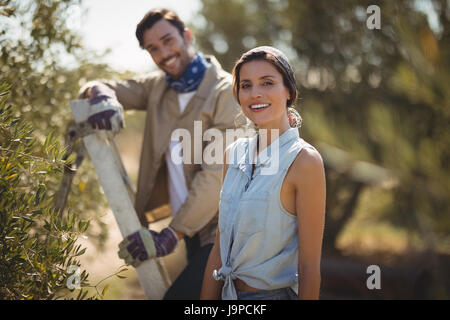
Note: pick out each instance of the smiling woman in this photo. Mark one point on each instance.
(269, 242)
(262, 94)
(275, 77)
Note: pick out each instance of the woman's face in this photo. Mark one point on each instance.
(262, 94)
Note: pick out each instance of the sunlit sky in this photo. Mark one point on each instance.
(112, 24)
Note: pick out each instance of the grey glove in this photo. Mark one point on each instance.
(106, 112)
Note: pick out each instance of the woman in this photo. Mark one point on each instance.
(268, 245)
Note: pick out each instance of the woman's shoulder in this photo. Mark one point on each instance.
(307, 161)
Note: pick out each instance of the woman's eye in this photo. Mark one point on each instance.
(267, 83)
(245, 86)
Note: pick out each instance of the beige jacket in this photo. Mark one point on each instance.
(214, 105)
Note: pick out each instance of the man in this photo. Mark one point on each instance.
(191, 87)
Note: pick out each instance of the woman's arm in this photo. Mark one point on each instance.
(211, 288)
(310, 208)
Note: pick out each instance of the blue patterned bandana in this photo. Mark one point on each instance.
(192, 77)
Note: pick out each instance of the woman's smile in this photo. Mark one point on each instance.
(258, 107)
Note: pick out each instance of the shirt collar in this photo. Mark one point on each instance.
(266, 154)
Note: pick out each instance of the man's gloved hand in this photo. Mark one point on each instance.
(106, 112)
(147, 244)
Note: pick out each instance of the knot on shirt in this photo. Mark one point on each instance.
(223, 273)
(228, 290)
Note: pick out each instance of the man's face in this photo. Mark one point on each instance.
(169, 49)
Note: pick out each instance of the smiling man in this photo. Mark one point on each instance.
(188, 87)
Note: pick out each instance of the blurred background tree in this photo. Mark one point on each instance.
(374, 102)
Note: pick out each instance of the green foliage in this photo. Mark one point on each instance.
(37, 245)
(377, 96)
(44, 61)
(42, 58)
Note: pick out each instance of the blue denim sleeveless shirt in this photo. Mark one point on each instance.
(258, 237)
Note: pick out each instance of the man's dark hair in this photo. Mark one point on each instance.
(154, 16)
